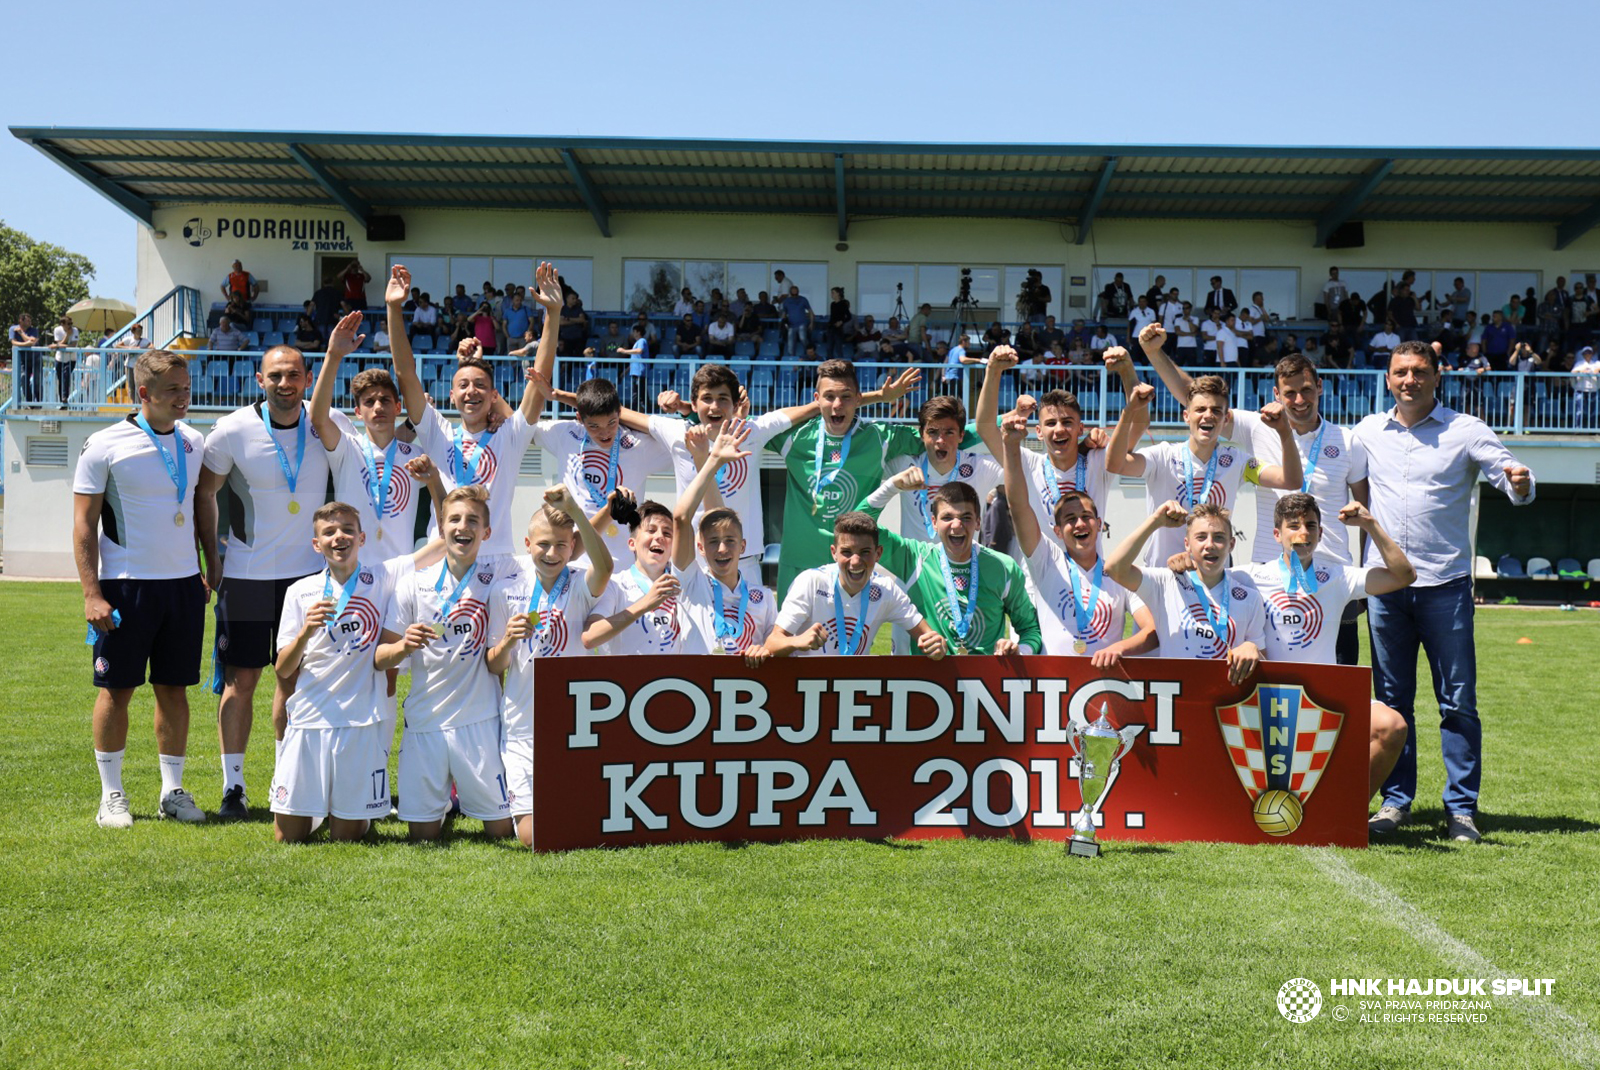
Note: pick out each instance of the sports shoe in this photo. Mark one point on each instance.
(114, 812)
(1387, 819)
(1462, 828)
(179, 804)
(234, 807)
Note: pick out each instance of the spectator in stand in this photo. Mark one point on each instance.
(1525, 359)
(66, 357)
(1050, 334)
(1586, 391)
(917, 331)
(1530, 309)
(1378, 304)
(483, 328)
(688, 340)
(1209, 329)
(1548, 319)
(1497, 340)
(1184, 347)
(1035, 297)
(841, 322)
(867, 340)
(1334, 295)
(460, 331)
(747, 323)
(1103, 340)
(380, 337)
(517, 318)
(226, 338)
(1156, 294)
(1353, 315)
(325, 303)
(135, 338)
(1474, 366)
(1142, 315)
(1472, 334)
(647, 330)
(1382, 344)
(354, 279)
(307, 339)
(1447, 340)
(701, 317)
(684, 305)
(719, 337)
(893, 344)
(240, 313)
(240, 282)
(1271, 350)
(1168, 311)
(740, 302)
(1460, 301)
(781, 285)
(1336, 352)
(798, 319)
(637, 351)
(1078, 337)
(1258, 327)
(1116, 300)
(411, 302)
(765, 308)
(1512, 310)
(1578, 313)
(613, 340)
(28, 367)
(1230, 341)
(996, 335)
(573, 330)
(1219, 297)
(1026, 342)
(425, 320)
(461, 302)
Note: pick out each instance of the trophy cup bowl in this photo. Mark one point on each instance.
(1099, 748)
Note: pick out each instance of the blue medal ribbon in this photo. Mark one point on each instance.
(177, 461)
(1081, 613)
(822, 447)
(94, 633)
(612, 469)
(960, 619)
(1297, 575)
(290, 475)
(465, 473)
(727, 630)
(1214, 611)
(847, 643)
(455, 595)
(1188, 477)
(379, 493)
(1052, 483)
(922, 495)
(540, 605)
(345, 592)
(1311, 461)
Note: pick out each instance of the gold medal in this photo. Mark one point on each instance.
(379, 534)
(611, 529)
(294, 506)
(1079, 646)
(533, 620)
(961, 648)
(438, 627)
(177, 518)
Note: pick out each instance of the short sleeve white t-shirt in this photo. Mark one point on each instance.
(1046, 483)
(338, 686)
(560, 635)
(979, 471)
(739, 482)
(1175, 603)
(585, 467)
(698, 607)
(810, 601)
(360, 471)
(1048, 566)
(451, 686)
(1171, 313)
(490, 459)
(1340, 462)
(659, 631)
(1304, 626)
(266, 541)
(1209, 329)
(140, 538)
(1164, 481)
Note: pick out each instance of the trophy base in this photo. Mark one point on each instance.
(1083, 848)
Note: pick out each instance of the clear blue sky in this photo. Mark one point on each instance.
(1356, 73)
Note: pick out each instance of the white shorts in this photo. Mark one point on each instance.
(517, 756)
(338, 771)
(470, 756)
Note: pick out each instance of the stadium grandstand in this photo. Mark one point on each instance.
(252, 239)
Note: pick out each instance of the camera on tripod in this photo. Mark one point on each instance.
(964, 294)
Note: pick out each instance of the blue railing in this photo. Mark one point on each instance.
(176, 314)
(1510, 402)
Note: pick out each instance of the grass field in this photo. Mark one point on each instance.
(176, 946)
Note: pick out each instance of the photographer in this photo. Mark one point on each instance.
(1034, 297)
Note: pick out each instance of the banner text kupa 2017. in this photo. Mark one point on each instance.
(705, 748)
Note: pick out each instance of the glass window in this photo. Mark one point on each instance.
(430, 274)
(1202, 285)
(1362, 282)
(469, 271)
(513, 271)
(752, 275)
(577, 273)
(1049, 277)
(1182, 278)
(1280, 290)
(703, 276)
(812, 280)
(651, 285)
(1496, 287)
(876, 293)
(937, 285)
(1138, 280)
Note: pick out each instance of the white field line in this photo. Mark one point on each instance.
(1570, 1035)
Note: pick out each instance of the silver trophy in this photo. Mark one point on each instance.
(1099, 749)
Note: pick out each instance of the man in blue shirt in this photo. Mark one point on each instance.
(798, 318)
(1497, 340)
(518, 319)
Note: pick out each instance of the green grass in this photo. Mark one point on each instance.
(187, 947)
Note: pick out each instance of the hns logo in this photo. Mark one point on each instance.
(196, 232)
(1279, 742)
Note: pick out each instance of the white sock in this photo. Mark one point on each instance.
(232, 771)
(171, 773)
(110, 764)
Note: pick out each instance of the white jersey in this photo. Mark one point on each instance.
(697, 606)
(1339, 462)
(451, 686)
(810, 601)
(1046, 483)
(659, 631)
(587, 473)
(1175, 601)
(1304, 626)
(140, 538)
(269, 526)
(491, 459)
(360, 471)
(1165, 474)
(338, 686)
(739, 482)
(559, 635)
(977, 470)
(1058, 622)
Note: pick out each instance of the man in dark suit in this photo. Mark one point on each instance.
(1219, 298)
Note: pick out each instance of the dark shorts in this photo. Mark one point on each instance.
(163, 626)
(247, 621)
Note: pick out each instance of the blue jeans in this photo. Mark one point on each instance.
(1440, 619)
(797, 338)
(1585, 409)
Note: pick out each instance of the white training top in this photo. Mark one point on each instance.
(1304, 626)
(356, 484)
(810, 601)
(560, 635)
(1048, 565)
(492, 459)
(140, 538)
(977, 470)
(585, 472)
(266, 541)
(739, 482)
(698, 609)
(338, 686)
(1180, 615)
(451, 686)
(659, 631)
(1046, 483)
(1341, 462)
(1164, 481)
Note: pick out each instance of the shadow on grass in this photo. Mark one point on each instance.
(1426, 830)
(1493, 823)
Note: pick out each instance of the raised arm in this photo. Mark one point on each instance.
(405, 363)
(1003, 359)
(1397, 571)
(547, 291)
(728, 447)
(1120, 564)
(1290, 474)
(341, 342)
(1024, 523)
(1121, 459)
(593, 544)
(422, 468)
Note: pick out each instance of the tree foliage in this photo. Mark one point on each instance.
(39, 279)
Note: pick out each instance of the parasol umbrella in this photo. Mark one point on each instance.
(101, 315)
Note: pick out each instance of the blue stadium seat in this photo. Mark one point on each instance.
(271, 338)
(744, 349)
(422, 343)
(772, 335)
(769, 350)
(440, 392)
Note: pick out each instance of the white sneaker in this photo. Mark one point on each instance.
(179, 804)
(114, 812)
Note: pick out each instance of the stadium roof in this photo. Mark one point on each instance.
(368, 174)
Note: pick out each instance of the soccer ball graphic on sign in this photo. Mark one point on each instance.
(1299, 1000)
(195, 232)
(1278, 813)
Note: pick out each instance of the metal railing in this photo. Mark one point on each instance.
(176, 314)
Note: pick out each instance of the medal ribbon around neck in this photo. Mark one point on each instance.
(847, 643)
(290, 475)
(960, 619)
(540, 605)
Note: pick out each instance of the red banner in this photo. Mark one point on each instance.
(676, 749)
